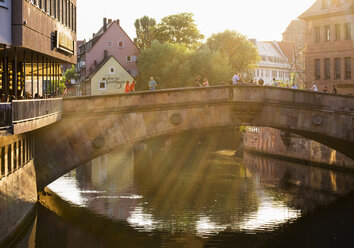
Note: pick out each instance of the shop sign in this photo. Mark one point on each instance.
(64, 43)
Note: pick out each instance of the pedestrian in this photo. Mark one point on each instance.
(132, 87)
(197, 81)
(325, 89)
(274, 83)
(334, 89)
(294, 86)
(205, 82)
(236, 78)
(251, 81)
(152, 84)
(127, 87)
(260, 81)
(314, 87)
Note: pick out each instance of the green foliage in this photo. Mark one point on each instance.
(242, 53)
(179, 29)
(163, 61)
(210, 64)
(68, 75)
(144, 27)
(173, 66)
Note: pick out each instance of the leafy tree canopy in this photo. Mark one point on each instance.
(144, 27)
(174, 66)
(242, 53)
(179, 29)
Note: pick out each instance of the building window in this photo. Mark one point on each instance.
(348, 68)
(337, 31)
(112, 70)
(129, 58)
(337, 68)
(3, 3)
(134, 58)
(274, 74)
(109, 43)
(317, 34)
(55, 8)
(120, 44)
(102, 85)
(327, 32)
(317, 69)
(327, 64)
(347, 29)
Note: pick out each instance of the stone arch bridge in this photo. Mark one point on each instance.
(94, 125)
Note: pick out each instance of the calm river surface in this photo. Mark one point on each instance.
(190, 191)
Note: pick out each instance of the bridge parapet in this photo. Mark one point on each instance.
(95, 125)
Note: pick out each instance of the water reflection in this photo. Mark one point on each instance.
(184, 190)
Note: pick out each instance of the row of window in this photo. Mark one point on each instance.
(327, 33)
(275, 73)
(274, 59)
(62, 10)
(110, 44)
(131, 58)
(15, 155)
(336, 68)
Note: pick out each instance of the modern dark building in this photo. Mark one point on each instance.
(36, 37)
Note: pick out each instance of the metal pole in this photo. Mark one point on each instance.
(15, 72)
(37, 76)
(43, 76)
(5, 85)
(46, 77)
(32, 75)
(24, 73)
(53, 75)
(50, 79)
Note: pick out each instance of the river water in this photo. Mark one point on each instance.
(189, 190)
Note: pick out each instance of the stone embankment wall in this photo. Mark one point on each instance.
(18, 188)
(282, 144)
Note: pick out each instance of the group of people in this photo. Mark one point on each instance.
(325, 89)
(198, 82)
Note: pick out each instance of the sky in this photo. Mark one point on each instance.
(264, 20)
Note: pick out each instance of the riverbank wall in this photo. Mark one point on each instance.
(280, 144)
(18, 188)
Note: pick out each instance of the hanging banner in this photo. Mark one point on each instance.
(64, 43)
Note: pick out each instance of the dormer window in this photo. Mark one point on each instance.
(120, 44)
(109, 43)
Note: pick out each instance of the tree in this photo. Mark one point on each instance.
(179, 29)
(165, 62)
(68, 75)
(210, 64)
(242, 54)
(144, 28)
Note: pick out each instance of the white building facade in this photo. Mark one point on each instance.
(273, 64)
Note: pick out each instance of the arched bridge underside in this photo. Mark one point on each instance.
(92, 126)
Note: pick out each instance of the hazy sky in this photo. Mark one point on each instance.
(260, 19)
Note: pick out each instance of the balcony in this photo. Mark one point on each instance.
(28, 115)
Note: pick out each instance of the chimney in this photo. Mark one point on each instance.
(104, 24)
(105, 54)
(118, 22)
(109, 20)
(93, 35)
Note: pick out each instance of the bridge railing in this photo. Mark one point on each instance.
(5, 115)
(27, 110)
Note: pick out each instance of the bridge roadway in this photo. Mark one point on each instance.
(94, 125)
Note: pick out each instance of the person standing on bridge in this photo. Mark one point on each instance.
(236, 78)
(205, 82)
(152, 84)
(314, 87)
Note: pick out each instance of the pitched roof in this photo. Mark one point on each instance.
(101, 31)
(100, 65)
(288, 48)
(317, 10)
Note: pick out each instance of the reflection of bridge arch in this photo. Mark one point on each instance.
(95, 125)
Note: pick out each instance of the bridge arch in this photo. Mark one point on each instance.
(94, 125)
